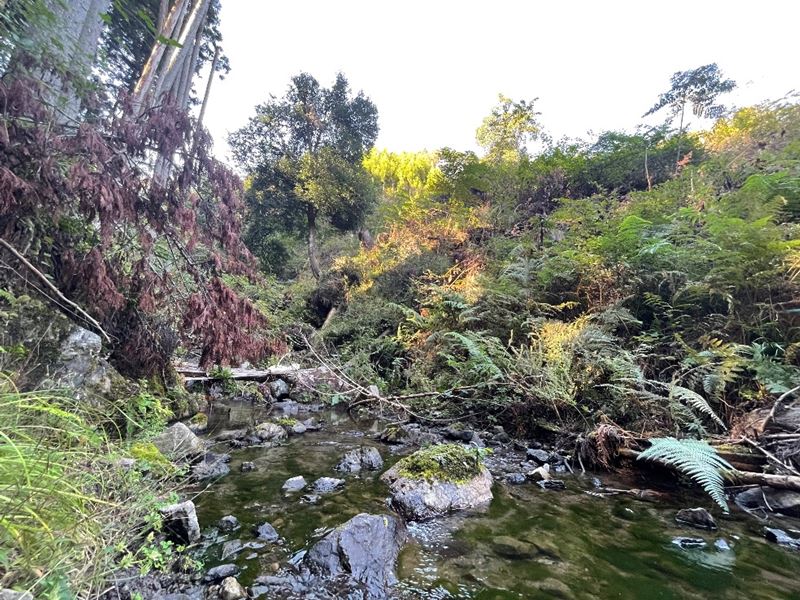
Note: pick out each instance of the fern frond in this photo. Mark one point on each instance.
(696, 401)
(694, 458)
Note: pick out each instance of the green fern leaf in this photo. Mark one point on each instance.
(694, 458)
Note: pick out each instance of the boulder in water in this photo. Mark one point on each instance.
(438, 480)
(696, 517)
(231, 589)
(365, 548)
(326, 485)
(785, 502)
(270, 432)
(294, 484)
(365, 457)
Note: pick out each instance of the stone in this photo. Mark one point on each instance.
(409, 433)
(221, 572)
(422, 499)
(551, 484)
(228, 523)
(689, 542)
(310, 498)
(326, 485)
(6, 594)
(458, 432)
(540, 473)
(722, 545)
(270, 432)
(266, 532)
(231, 589)
(231, 548)
(311, 424)
(213, 466)
(540, 457)
(501, 438)
(279, 389)
(365, 457)
(365, 548)
(294, 484)
(247, 467)
(180, 522)
(785, 502)
(696, 517)
(779, 536)
(509, 547)
(177, 442)
(515, 478)
(230, 435)
(298, 428)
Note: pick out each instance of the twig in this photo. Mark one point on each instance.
(41, 276)
(771, 456)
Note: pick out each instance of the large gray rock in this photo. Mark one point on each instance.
(421, 499)
(411, 434)
(221, 572)
(779, 536)
(180, 522)
(177, 442)
(785, 502)
(270, 432)
(365, 457)
(365, 548)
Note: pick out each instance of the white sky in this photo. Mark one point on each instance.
(434, 68)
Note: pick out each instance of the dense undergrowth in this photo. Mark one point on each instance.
(72, 512)
(569, 289)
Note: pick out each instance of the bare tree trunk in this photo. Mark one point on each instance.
(208, 88)
(175, 57)
(680, 137)
(163, 11)
(147, 78)
(313, 260)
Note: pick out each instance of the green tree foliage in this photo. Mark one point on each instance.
(698, 88)
(509, 128)
(303, 153)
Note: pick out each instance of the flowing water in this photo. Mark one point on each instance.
(529, 543)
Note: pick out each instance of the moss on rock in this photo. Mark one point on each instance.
(147, 452)
(443, 462)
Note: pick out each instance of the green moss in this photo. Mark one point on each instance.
(200, 419)
(147, 452)
(443, 462)
(287, 421)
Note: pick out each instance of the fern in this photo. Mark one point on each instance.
(479, 360)
(694, 458)
(696, 401)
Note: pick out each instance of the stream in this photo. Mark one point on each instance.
(529, 543)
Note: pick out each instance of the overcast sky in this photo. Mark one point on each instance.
(434, 67)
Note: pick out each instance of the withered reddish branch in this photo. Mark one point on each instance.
(83, 201)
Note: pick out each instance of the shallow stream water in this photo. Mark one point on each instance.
(529, 543)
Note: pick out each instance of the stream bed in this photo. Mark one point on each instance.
(529, 543)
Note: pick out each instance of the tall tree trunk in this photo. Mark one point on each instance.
(144, 85)
(208, 87)
(176, 55)
(313, 260)
(680, 137)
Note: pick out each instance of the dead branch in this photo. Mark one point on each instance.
(86, 317)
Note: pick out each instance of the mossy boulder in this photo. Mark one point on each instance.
(199, 422)
(437, 480)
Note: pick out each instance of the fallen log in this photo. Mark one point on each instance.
(780, 482)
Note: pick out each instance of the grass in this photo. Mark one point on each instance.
(69, 514)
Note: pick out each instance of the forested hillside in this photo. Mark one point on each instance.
(632, 293)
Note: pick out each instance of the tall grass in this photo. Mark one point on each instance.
(68, 510)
